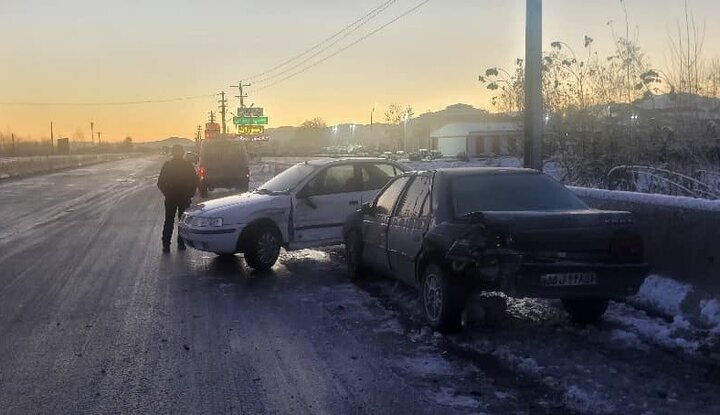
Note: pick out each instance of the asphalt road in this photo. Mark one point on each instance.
(95, 319)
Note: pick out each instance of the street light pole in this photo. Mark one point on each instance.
(533, 86)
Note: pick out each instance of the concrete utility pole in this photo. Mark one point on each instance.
(99, 142)
(92, 133)
(242, 96)
(13, 143)
(533, 86)
(52, 138)
(198, 137)
(223, 110)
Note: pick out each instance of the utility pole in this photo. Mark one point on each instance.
(99, 142)
(92, 133)
(212, 117)
(12, 135)
(52, 139)
(533, 86)
(223, 110)
(242, 96)
(197, 137)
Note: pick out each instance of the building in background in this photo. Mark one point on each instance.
(477, 139)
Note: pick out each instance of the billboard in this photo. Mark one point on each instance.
(251, 129)
(250, 112)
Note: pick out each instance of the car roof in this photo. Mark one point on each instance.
(326, 161)
(466, 171)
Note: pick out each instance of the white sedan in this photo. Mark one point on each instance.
(304, 206)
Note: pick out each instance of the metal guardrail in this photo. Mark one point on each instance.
(645, 179)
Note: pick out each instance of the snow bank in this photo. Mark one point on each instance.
(647, 198)
(710, 313)
(662, 294)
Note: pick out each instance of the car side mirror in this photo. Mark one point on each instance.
(367, 208)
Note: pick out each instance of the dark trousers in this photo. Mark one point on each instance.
(173, 208)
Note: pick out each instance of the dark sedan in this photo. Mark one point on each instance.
(455, 232)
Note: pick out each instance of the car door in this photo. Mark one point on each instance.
(321, 207)
(375, 176)
(407, 228)
(374, 226)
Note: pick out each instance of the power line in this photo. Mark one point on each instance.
(359, 23)
(312, 65)
(319, 52)
(98, 104)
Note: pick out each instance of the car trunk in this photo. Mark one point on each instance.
(559, 234)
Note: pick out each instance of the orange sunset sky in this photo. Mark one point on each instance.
(98, 51)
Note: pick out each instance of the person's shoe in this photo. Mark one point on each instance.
(166, 248)
(182, 247)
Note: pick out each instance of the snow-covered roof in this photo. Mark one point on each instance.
(464, 129)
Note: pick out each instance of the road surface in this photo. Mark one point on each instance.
(95, 319)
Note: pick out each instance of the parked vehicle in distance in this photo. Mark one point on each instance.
(304, 206)
(453, 233)
(224, 162)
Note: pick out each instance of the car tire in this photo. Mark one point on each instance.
(262, 247)
(440, 302)
(585, 310)
(203, 190)
(353, 255)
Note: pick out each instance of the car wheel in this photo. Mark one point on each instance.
(202, 188)
(262, 248)
(442, 310)
(353, 255)
(585, 310)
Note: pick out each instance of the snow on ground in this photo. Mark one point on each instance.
(677, 335)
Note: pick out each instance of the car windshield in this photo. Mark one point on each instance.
(288, 179)
(510, 192)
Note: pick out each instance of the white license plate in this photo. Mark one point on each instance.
(569, 279)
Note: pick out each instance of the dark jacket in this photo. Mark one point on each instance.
(177, 180)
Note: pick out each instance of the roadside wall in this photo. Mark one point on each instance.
(27, 166)
(681, 235)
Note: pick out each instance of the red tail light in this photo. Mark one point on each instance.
(626, 245)
(201, 172)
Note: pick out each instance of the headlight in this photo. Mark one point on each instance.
(203, 222)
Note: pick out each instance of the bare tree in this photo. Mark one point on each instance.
(316, 122)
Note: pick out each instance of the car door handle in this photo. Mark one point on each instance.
(354, 202)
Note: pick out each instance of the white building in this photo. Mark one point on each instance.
(476, 139)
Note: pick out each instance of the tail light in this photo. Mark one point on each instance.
(626, 245)
(201, 172)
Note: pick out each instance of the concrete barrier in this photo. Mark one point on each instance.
(681, 235)
(27, 166)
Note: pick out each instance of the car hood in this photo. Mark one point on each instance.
(239, 208)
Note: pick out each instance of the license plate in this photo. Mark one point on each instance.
(569, 279)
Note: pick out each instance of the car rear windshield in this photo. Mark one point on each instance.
(288, 179)
(510, 192)
(223, 150)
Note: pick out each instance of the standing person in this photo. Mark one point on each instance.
(177, 182)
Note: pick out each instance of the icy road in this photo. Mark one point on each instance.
(95, 319)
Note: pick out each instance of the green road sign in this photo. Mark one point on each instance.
(250, 120)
